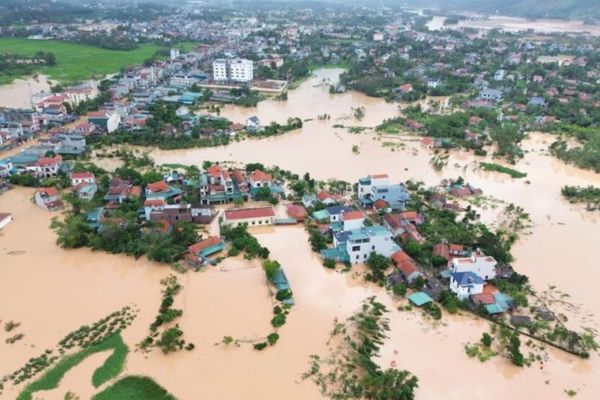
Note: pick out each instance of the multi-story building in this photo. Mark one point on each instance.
(360, 243)
(234, 70)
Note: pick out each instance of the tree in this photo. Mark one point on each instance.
(271, 268)
(151, 177)
(516, 356)
(378, 265)
(184, 233)
(170, 340)
(486, 339)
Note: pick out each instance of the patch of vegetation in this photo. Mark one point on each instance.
(589, 195)
(134, 387)
(52, 378)
(502, 169)
(350, 372)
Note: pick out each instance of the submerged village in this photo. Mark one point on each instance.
(334, 207)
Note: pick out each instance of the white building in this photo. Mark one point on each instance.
(174, 53)
(464, 284)
(112, 124)
(241, 70)
(352, 220)
(235, 70)
(360, 243)
(479, 264)
(81, 177)
(365, 185)
(220, 70)
(249, 216)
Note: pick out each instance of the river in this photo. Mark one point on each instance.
(52, 291)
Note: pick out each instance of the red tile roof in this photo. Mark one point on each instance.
(82, 175)
(214, 170)
(154, 203)
(409, 215)
(352, 215)
(483, 298)
(156, 187)
(404, 263)
(441, 250)
(51, 191)
(378, 176)
(260, 176)
(296, 211)
(203, 244)
(248, 213)
(381, 204)
(44, 161)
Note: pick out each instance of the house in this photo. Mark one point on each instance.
(494, 95)
(328, 199)
(81, 177)
(250, 216)
(297, 212)
(173, 213)
(377, 187)
(197, 254)
(336, 212)
(85, 190)
(407, 266)
(120, 190)
(382, 206)
(309, 200)
(241, 182)
(151, 205)
(404, 89)
(536, 101)
(5, 219)
(260, 179)
(480, 264)
(353, 219)
(46, 167)
(449, 251)
(47, 199)
(465, 284)
(253, 124)
(321, 216)
(360, 243)
(160, 190)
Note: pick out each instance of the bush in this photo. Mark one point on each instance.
(273, 338)
(233, 252)
(329, 263)
(433, 310)
(399, 289)
(283, 294)
(278, 320)
(260, 346)
(486, 339)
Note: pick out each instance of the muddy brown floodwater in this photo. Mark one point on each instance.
(18, 93)
(52, 291)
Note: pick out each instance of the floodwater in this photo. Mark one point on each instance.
(52, 291)
(18, 93)
(515, 24)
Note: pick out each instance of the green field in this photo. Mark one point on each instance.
(134, 387)
(76, 62)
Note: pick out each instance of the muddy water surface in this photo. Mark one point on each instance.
(53, 291)
(18, 93)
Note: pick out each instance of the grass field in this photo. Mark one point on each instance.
(134, 387)
(111, 368)
(76, 62)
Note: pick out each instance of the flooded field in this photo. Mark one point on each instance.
(52, 291)
(18, 93)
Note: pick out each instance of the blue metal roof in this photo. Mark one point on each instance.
(467, 278)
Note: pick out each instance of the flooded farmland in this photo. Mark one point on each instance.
(78, 287)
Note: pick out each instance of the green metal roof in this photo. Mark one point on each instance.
(419, 299)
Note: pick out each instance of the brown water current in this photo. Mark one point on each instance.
(52, 291)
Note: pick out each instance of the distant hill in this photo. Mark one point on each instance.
(571, 9)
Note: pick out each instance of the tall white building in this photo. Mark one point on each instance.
(220, 70)
(236, 70)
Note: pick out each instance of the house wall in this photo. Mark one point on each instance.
(463, 292)
(261, 221)
(380, 244)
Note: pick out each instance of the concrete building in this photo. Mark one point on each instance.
(235, 70)
(479, 264)
(465, 284)
(360, 243)
(259, 216)
(5, 219)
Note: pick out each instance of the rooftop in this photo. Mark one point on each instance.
(248, 213)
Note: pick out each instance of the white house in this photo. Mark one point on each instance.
(464, 284)
(236, 70)
(365, 185)
(81, 177)
(220, 70)
(360, 243)
(253, 124)
(482, 265)
(260, 179)
(174, 53)
(46, 167)
(260, 216)
(352, 220)
(5, 219)
(112, 124)
(152, 205)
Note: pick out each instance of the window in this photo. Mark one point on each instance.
(373, 247)
(355, 248)
(357, 256)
